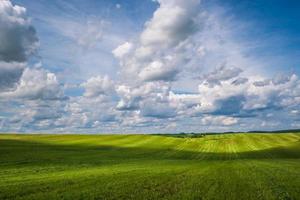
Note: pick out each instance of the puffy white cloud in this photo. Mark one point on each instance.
(122, 50)
(180, 46)
(95, 109)
(210, 95)
(160, 50)
(132, 96)
(150, 100)
(158, 71)
(253, 92)
(98, 85)
(129, 98)
(172, 23)
(17, 37)
(27, 115)
(36, 84)
(86, 112)
(18, 41)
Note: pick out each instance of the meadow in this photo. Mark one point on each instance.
(223, 166)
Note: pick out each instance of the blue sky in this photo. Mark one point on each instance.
(117, 66)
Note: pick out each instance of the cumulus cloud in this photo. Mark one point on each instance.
(156, 71)
(173, 40)
(36, 84)
(132, 97)
(32, 96)
(86, 112)
(17, 36)
(168, 79)
(18, 41)
(248, 94)
(129, 98)
(150, 100)
(171, 23)
(159, 51)
(98, 85)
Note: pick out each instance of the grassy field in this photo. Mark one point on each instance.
(231, 166)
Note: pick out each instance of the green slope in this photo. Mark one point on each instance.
(231, 166)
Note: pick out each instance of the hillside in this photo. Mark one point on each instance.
(230, 166)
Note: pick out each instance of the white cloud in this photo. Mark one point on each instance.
(17, 36)
(150, 100)
(161, 46)
(98, 85)
(184, 71)
(36, 84)
(18, 41)
(130, 97)
(255, 96)
(122, 50)
(158, 71)
(172, 23)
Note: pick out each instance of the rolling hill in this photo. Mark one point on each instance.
(225, 166)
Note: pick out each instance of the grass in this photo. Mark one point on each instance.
(230, 166)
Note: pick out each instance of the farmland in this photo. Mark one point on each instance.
(222, 166)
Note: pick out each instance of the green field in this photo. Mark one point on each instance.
(228, 166)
